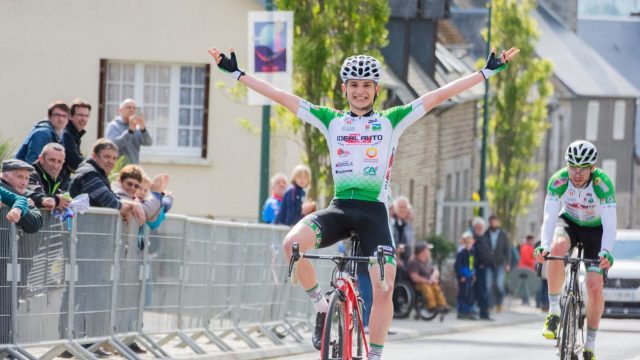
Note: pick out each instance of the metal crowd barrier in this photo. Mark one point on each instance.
(95, 282)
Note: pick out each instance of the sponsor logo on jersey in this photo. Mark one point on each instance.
(388, 173)
(373, 127)
(348, 128)
(371, 121)
(559, 182)
(354, 139)
(344, 171)
(370, 171)
(348, 121)
(344, 163)
(371, 153)
(572, 192)
(343, 152)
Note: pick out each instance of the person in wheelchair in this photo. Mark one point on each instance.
(426, 278)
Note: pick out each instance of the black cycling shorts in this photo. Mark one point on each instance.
(369, 219)
(590, 237)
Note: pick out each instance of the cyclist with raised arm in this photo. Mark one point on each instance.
(580, 206)
(362, 143)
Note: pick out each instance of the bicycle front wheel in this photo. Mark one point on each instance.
(334, 331)
(569, 330)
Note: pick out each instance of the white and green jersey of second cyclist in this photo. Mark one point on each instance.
(362, 147)
(590, 206)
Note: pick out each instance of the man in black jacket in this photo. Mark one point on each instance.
(15, 178)
(500, 261)
(71, 138)
(482, 253)
(91, 178)
(45, 180)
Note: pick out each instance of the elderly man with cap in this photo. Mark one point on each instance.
(426, 277)
(46, 179)
(15, 178)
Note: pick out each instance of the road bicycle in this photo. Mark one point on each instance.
(343, 336)
(570, 340)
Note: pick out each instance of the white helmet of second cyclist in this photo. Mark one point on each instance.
(361, 67)
(581, 153)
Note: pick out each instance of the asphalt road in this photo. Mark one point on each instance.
(617, 340)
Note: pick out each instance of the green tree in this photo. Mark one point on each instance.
(519, 117)
(325, 33)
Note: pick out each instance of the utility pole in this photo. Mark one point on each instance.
(265, 143)
(485, 123)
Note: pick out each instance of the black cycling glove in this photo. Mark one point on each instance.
(230, 65)
(494, 65)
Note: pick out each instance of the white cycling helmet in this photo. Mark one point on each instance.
(361, 67)
(581, 153)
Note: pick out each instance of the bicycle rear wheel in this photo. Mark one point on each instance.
(334, 331)
(569, 330)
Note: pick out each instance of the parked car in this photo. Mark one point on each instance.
(622, 289)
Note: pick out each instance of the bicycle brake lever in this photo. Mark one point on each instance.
(295, 256)
(381, 261)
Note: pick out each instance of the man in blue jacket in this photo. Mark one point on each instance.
(44, 132)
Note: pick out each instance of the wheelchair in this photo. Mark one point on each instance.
(407, 299)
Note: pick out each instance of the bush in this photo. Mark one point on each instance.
(442, 248)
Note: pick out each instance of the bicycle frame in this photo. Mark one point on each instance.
(342, 284)
(573, 305)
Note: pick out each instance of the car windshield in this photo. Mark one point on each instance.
(626, 250)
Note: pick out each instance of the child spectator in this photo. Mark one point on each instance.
(292, 209)
(272, 204)
(465, 274)
(165, 197)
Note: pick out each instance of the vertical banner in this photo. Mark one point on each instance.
(270, 51)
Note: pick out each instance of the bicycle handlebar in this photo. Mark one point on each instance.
(339, 259)
(570, 260)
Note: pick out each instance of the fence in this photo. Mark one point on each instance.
(95, 281)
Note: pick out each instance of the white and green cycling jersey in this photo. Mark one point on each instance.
(590, 206)
(362, 147)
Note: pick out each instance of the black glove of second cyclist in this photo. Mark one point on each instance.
(230, 65)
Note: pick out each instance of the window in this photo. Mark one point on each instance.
(592, 120)
(618, 120)
(609, 167)
(173, 98)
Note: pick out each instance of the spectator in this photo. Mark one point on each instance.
(500, 261)
(129, 184)
(482, 253)
(128, 132)
(165, 197)
(291, 209)
(527, 260)
(426, 277)
(542, 297)
(19, 205)
(465, 274)
(272, 204)
(15, 178)
(92, 178)
(46, 180)
(402, 229)
(44, 132)
(71, 137)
